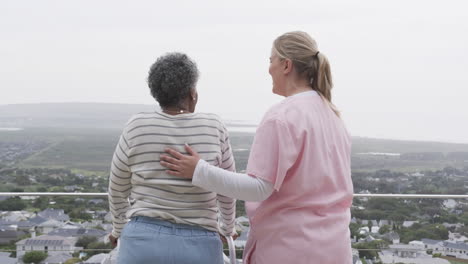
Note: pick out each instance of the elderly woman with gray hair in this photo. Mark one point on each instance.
(171, 220)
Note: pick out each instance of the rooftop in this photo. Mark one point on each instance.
(77, 232)
(47, 240)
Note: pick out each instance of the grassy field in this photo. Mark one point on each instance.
(90, 150)
(87, 153)
(81, 149)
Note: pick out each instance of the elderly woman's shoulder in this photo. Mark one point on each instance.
(145, 117)
(208, 115)
(214, 119)
(211, 116)
(141, 115)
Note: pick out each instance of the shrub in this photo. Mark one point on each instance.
(34, 257)
(84, 241)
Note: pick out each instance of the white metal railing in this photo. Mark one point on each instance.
(51, 194)
(412, 196)
(232, 248)
(356, 195)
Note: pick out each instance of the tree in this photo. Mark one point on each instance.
(99, 247)
(369, 250)
(12, 204)
(354, 228)
(22, 180)
(41, 203)
(84, 241)
(34, 257)
(42, 189)
(383, 204)
(240, 207)
(79, 213)
(384, 229)
(418, 231)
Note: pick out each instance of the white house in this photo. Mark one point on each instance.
(91, 224)
(375, 229)
(446, 248)
(364, 230)
(417, 174)
(457, 250)
(29, 198)
(393, 236)
(16, 216)
(405, 251)
(46, 243)
(56, 214)
(437, 246)
(450, 203)
(418, 244)
(71, 225)
(48, 226)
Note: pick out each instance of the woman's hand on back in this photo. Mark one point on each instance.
(179, 164)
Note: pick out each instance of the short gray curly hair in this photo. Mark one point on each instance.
(171, 78)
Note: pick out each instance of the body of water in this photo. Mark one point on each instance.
(247, 129)
(10, 129)
(380, 154)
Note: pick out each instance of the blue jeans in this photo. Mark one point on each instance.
(149, 240)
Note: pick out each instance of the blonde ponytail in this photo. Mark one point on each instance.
(323, 83)
(311, 64)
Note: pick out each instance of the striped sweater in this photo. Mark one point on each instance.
(139, 185)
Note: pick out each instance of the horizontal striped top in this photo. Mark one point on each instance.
(139, 185)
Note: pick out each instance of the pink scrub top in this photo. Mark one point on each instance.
(303, 149)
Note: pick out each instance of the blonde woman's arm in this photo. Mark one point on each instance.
(236, 185)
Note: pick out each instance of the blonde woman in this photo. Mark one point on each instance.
(298, 178)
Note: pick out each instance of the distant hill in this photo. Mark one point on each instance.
(69, 124)
(364, 145)
(78, 115)
(69, 115)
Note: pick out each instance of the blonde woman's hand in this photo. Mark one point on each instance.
(179, 164)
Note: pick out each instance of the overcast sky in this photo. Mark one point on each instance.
(400, 67)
